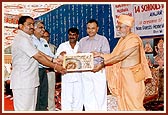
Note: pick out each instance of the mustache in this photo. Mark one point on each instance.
(32, 29)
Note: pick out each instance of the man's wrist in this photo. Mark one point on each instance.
(102, 64)
(101, 54)
(52, 59)
(55, 68)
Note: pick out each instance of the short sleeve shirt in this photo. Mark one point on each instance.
(42, 45)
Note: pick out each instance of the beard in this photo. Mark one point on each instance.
(122, 34)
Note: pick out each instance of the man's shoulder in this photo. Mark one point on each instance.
(101, 36)
(132, 40)
(43, 40)
(64, 44)
(84, 39)
(35, 39)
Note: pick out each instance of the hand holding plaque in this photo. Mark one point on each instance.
(78, 62)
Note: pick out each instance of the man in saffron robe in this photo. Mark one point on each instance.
(126, 56)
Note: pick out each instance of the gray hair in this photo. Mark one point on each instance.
(36, 22)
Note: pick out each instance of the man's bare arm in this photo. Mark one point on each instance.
(121, 56)
(46, 62)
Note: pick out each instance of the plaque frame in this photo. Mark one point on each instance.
(78, 62)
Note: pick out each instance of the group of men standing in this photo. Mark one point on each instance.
(33, 61)
(29, 81)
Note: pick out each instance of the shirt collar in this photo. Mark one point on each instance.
(95, 37)
(34, 37)
(24, 34)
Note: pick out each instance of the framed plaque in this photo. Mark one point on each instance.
(78, 62)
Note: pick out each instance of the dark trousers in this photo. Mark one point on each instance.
(42, 96)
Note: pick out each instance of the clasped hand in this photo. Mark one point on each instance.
(60, 58)
(99, 66)
(96, 54)
(59, 62)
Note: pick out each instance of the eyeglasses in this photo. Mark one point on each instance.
(41, 27)
(120, 27)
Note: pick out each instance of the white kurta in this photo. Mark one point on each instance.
(71, 93)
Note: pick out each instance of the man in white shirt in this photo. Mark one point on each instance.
(42, 45)
(51, 76)
(71, 92)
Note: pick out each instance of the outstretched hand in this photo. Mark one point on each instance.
(59, 69)
(63, 53)
(97, 68)
(58, 61)
(96, 54)
(60, 58)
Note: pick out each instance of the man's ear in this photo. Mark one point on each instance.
(97, 29)
(20, 26)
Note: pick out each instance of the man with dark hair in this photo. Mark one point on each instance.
(51, 75)
(25, 58)
(71, 92)
(94, 83)
(46, 36)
